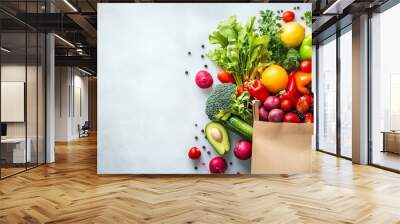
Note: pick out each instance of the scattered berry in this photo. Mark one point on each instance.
(196, 138)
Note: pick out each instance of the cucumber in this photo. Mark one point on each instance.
(239, 127)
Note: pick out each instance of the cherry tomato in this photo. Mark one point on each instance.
(288, 16)
(291, 118)
(304, 103)
(286, 105)
(225, 77)
(309, 118)
(194, 153)
(306, 66)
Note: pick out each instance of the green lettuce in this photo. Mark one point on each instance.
(240, 49)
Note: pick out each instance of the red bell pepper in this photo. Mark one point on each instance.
(241, 89)
(257, 90)
(290, 92)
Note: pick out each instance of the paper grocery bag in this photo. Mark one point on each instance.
(281, 148)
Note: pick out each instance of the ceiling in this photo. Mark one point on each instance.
(75, 21)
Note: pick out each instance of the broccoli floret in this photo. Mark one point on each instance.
(218, 105)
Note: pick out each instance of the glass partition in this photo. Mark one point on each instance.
(14, 155)
(32, 95)
(22, 101)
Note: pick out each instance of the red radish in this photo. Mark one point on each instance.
(306, 66)
(288, 16)
(194, 153)
(218, 165)
(242, 149)
(286, 105)
(275, 115)
(263, 114)
(203, 79)
(272, 102)
(291, 118)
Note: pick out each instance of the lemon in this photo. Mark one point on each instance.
(292, 34)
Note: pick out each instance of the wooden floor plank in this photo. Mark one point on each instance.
(70, 191)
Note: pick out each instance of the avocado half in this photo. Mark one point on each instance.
(218, 137)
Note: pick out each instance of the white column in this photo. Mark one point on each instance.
(50, 100)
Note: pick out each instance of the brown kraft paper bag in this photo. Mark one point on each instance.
(280, 148)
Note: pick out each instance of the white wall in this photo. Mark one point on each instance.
(69, 84)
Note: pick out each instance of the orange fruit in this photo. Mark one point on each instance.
(274, 78)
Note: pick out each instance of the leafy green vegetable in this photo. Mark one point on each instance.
(269, 24)
(223, 102)
(292, 60)
(308, 18)
(240, 107)
(240, 48)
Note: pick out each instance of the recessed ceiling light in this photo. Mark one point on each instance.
(70, 5)
(5, 50)
(84, 71)
(338, 6)
(64, 40)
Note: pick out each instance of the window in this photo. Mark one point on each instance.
(346, 92)
(385, 89)
(327, 95)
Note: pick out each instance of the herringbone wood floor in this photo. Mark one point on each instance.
(70, 191)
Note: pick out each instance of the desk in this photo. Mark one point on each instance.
(391, 141)
(17, 150)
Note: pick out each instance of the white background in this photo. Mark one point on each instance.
(147, 106)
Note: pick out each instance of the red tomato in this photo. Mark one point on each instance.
(194, 153)
(309, 118)
(291, 118)
(304, 103)
(306, 66)
(225, 77)
(288, 16)
(286, 105)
